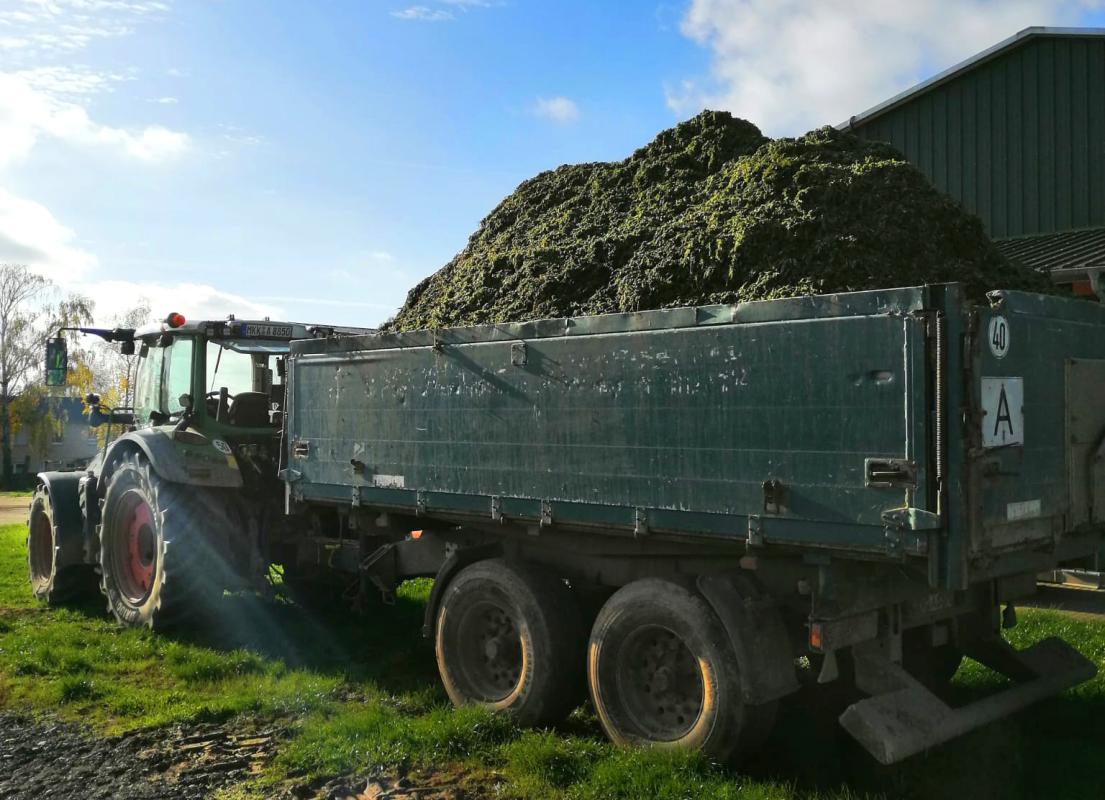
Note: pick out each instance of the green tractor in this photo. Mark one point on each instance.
(178, 506)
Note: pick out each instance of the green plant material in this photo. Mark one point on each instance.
(711, 212)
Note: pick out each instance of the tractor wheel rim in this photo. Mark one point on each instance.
(659, 681)
(135, 548)
(41, 548)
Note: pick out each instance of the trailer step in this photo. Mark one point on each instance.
(904, 718)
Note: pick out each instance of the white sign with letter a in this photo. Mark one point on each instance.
(1002, 411)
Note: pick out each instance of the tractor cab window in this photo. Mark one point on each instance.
(164, 374)
(178, 374)
(147, 387)
(239, 386)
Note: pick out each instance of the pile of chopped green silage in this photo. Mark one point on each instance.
(712, 212)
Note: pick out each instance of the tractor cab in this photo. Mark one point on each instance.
(217, 377)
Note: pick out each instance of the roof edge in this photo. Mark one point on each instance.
(988, 54)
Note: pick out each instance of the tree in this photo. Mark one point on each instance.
(30, 311)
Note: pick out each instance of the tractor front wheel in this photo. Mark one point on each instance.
(50, 580)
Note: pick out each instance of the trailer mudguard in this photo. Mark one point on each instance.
(62, 489)
(181, 456)
(453, 564)
(759, 637)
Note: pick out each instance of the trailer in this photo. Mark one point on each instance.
(672, 510)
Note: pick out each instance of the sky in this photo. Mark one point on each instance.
(314, 161)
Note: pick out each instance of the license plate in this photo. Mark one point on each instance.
(269, 331)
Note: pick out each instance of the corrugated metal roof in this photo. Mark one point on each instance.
(1069, 253)
(989, 53)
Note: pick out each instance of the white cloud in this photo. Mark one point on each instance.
(31, 29)
(164, 101)
(423, 14)
(27, 112)
(558, 109)
(790, 65)
(30, 235)
(113, 298)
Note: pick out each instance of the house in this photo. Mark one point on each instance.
(72, 448)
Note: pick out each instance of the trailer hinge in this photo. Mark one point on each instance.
(546, 513)
(518, 354)
(755, 531)
(496, 509)
(356, 496)
(640, 522)
(419, 502)
(912, 519)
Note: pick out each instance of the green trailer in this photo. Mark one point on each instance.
(686, 513)
(683, 506)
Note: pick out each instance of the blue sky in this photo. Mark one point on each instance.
(315, 160)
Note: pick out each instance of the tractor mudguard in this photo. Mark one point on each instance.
(62, 489)
(185, 457)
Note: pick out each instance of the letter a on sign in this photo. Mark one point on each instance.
(1002, 411)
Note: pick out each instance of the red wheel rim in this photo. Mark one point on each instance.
(135, 548)
(41, 548)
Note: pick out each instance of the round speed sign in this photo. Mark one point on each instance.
(998, 336)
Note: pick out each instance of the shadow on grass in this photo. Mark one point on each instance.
(1051, 750)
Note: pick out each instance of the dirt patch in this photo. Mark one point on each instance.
(14, 510)
(46, 758)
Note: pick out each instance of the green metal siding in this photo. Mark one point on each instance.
(1019, 139)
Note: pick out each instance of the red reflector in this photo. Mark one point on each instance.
(175, 320)
(815, 636)
(416, 534)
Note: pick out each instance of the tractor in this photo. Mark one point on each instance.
(178, 506)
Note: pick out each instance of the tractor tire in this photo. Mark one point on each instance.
(509, 637)
(158, 558)
(50, 583)
(663, 673)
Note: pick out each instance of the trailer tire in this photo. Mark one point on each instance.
(51, 583)
(508, 637)
(158, 563)
(662, 672)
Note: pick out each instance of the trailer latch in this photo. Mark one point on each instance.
(889, 472)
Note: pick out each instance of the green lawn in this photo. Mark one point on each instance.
(362, 693)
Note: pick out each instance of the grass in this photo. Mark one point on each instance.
(361, 694)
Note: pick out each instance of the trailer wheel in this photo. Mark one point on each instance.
(158, 566)
(508, 637)
(662, 672)
(49, 582)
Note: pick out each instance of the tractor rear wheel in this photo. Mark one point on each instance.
(51, 582)
(157, 555)
(509, 638)
(663, 672)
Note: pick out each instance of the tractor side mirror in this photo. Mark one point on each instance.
(57, 361)
(126, 347)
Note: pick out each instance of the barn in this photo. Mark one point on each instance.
(1016, 133)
